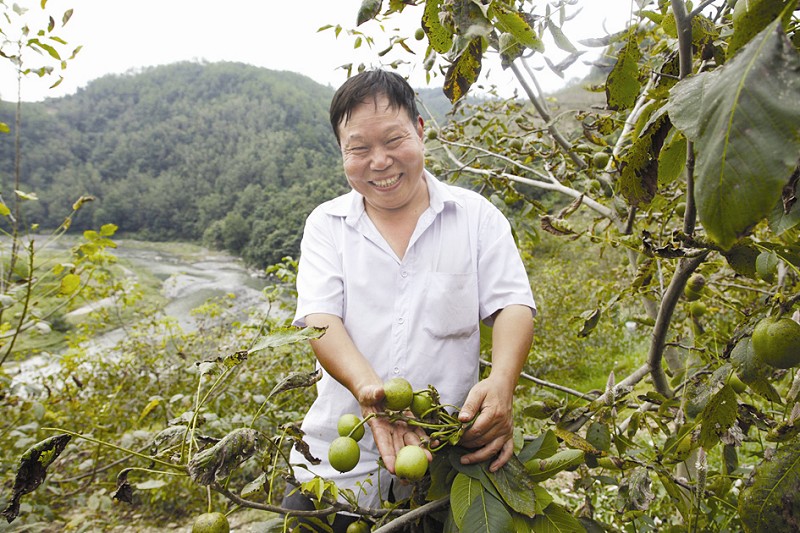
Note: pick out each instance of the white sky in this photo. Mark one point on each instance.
(121, 35)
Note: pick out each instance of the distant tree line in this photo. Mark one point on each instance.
(230, 154)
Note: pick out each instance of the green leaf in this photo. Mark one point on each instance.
(544, 445)
(4, 128)
(744, 119)
(441, 38)
(442, 475)
(599, 435)
(463, 492)
(622, 84)
(107, 230)
(678, 495)
(70, 283)
(474, 471)
(517, 24)
(560, 39)
(542, 497)
(254, 487)
(521, 524)
(542, 469)
(464, 71)
(786, 215)
(752, 16)
(718, 416)
(487, 514)
(281, 337)
(515, 486)
(672, 159)
(369, 10)
(556, 519)
(4, 210)
(152, 404)
(771, 502)
(26, 195)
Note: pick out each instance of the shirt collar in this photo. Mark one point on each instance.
(351, 205)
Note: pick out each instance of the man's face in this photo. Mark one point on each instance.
(383, 156)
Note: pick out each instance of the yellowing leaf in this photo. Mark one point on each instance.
(70, 283)
(152, 404)
(464, 71)
(440, 37)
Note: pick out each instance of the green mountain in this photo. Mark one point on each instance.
(232, 154)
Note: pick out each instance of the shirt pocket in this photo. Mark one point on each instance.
(450, 305)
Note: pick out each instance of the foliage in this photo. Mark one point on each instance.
(698, 436)
(702, 177)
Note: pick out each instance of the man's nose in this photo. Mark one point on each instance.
(381, 158)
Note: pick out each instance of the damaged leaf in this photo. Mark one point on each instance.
(33, 470)
(218, 462)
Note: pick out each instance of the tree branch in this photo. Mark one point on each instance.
(683, 22)
(632, 380)
(399, 524)
(550, 185)
(548, 384)
(671, 296)
(554, 132)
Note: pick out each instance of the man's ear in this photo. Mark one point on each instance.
(420, 126)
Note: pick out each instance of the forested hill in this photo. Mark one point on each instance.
(234, 154)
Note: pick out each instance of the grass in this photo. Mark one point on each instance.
(571, 280)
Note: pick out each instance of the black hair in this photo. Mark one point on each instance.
(371, 84)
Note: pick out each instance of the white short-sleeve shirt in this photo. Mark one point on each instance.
(417, 317)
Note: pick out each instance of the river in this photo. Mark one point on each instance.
(189, 278)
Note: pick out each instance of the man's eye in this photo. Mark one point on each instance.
(395, 141)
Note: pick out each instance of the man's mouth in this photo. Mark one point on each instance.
(383, 184)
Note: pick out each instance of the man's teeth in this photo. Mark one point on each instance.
(387, 183)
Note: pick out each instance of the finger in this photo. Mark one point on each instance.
(482, 454)
(412, 438)
(502, 458)
(371, 395)
(472, 406)
(382, 433)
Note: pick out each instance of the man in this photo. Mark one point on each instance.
(401, 270)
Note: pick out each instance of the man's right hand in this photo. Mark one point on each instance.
(390, 437)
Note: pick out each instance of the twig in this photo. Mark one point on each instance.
(635, 377)
(535, 100)
(399, 523)
(548, 384)
(699, 9)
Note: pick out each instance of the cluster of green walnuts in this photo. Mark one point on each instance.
(411, 463)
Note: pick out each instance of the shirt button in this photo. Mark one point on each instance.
(403, 274)
(401, 320)
(396, 370)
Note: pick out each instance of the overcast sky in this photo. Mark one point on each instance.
(120, 35)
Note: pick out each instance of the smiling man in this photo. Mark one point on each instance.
(401, 271)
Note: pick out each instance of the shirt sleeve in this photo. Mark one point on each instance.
(320, 280)
(502, 279)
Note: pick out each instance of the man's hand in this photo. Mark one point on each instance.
(491, 435)
(390, 437)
